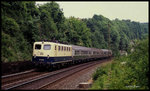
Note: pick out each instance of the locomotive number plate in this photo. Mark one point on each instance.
(41, 59)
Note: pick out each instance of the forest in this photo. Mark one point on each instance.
(24, 22)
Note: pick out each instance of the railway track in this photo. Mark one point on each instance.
(65, 75)
(17, 78)
(42, 80)
(12, 77)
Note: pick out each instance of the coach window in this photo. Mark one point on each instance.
(55, 47)
(69, 48)
(62, 48)
(89, 52)
(47, 47)
(38, 46)
(59, 48)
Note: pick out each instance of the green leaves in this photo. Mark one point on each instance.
(9, 26)
(25, 23)
(126, 72)
(121, 32)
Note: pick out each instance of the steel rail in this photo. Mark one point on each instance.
(15, 74)
(46, 76)
(64, 76)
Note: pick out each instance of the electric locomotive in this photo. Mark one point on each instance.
(47, 53)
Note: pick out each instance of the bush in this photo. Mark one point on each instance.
(126, 72)
(8, 48)
(9, 26)
(99, 72)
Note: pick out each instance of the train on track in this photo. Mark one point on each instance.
(50, 54)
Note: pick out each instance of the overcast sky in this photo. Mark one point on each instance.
(135, 11)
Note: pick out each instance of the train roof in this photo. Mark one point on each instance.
(75, 47)
(105, 50)
(40, 42)
(80, 47)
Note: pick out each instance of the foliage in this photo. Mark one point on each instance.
(121, 32)
(23, 23)
(9, 26)
(129, 72)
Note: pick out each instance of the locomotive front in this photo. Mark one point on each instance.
(42, 53)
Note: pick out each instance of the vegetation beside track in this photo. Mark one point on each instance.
(126, 72)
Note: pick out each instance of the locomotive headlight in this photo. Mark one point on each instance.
(47, 56)
(34, 55)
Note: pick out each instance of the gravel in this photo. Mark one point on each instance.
(73, 81)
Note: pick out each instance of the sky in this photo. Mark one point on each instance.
(135, 11)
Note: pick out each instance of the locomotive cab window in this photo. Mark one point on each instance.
(38, 46)
(47, 47)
